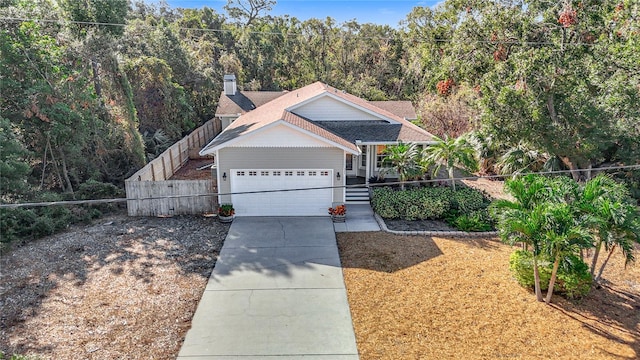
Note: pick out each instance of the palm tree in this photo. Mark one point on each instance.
(522, 220)
(563, 235)
(612, 216)
(403, 158)
(451, 152)
(520, 158)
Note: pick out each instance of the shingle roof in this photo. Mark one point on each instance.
(244, 101)
(402, 108)
(373, 131)
(276, 110)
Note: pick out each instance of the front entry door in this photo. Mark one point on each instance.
(351, 165)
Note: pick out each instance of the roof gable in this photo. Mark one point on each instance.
(280, 134)
(327, 107)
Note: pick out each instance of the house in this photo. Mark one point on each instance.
(290, 153)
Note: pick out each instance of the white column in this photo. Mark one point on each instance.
(367, 168)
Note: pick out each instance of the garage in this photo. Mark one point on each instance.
(311, 202)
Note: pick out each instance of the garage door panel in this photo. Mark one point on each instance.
(311, 202)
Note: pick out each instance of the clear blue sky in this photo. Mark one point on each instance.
(389, 12)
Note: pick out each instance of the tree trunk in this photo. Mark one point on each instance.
(594, 261)
(44, 165)
(536, 278)
(604, 264)
(453, 182)
(55, 164)
(65, 172)
(96, 79)
(552, 109)
(573, 168)
(552, 282)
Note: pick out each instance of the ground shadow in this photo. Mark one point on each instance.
(608, 312)
(380, 251)
(138, 247)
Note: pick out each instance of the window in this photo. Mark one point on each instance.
(363, 157)
(312, 173)
(380, 155)
(240, 173)
(277, 173)
(349, 162)
(288, 173)
(300, 173)
(253, 173)
(264, 173)
(324, 173)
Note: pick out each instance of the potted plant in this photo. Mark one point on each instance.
(338, 213)
(226, 212)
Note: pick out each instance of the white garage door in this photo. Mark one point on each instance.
(313, 202)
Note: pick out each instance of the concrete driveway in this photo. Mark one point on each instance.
(276, 290)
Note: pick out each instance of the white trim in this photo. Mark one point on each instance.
(344, 101)
(218, 175)
(269, 126)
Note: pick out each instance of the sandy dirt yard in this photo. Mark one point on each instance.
(417, 297)
(123, 288)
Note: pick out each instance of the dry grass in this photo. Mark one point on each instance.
(126, 288)
(432, 298)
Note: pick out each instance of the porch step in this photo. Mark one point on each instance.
(357, 195)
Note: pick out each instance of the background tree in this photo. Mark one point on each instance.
(248, 10)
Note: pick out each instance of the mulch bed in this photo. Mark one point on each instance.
(418, 225)
(418, 297)
(124, 288)
(190, 170)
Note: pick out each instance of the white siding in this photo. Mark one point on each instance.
(279, 136)
(327, 109)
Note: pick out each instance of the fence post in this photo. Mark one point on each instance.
(153, 172)
(171, 160)
(164, 169)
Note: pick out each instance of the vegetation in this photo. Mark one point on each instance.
(557, 218)
(452, 153)
(465, 209)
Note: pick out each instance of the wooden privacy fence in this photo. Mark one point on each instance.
(170, 197)
(166, 164)
(152, 192)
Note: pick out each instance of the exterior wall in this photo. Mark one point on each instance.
(280, 158)
(227, 120)
(326, 108)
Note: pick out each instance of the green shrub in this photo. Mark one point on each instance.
(474, 221)
(383, 203)
(521, 266)
(98, 190)
(573, 279)
(411, 204)
(16, 223)
(467, 200)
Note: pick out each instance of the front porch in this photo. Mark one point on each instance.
(369, 163)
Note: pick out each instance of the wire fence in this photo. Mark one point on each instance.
(370, 185)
